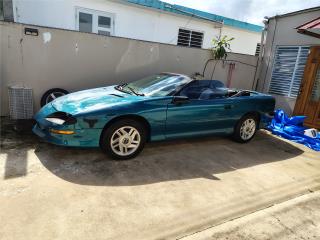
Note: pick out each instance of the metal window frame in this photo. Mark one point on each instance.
(296, 65)
(95, 15)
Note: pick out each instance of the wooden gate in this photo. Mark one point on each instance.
(308, 100)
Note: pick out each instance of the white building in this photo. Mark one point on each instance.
(149, 20)
(290, 64)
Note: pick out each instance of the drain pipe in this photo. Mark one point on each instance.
(261, 54)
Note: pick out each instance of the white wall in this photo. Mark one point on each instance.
(131, 21)
(245, 41)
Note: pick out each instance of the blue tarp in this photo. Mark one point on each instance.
(292, 129)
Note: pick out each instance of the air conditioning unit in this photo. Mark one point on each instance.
(20, 102)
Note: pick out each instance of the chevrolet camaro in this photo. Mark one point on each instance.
(121, 119)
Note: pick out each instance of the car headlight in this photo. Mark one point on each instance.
(61, 118)
(56, 120)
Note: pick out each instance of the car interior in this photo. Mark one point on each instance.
(211, 89)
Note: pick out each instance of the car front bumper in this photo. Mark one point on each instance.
(81, 137)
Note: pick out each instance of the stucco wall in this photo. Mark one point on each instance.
(282, 32)
(75, 61)
(131, 21)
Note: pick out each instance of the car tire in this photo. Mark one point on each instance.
(245, 128)
(51, 94)
(124, 139)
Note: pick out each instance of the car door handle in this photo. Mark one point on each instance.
(227, 106)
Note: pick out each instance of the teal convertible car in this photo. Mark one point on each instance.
(121, 119)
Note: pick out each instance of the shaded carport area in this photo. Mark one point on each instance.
(171, 190)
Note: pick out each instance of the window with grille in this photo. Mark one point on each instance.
(288, 68)
(258, 49)
(189, 38)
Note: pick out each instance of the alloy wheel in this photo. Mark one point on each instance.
(125, 140)
(248, 129)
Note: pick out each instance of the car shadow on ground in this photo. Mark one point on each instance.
(159, 161)
(164, 161)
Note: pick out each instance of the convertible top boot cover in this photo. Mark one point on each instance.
(292, 129)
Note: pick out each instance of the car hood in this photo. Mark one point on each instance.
(92, 100)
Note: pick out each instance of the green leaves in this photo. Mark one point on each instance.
(220, 47)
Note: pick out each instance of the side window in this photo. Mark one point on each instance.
(85, 22)
(104, 25)
(258, 49)
(196, 88)
(204, 90)
(92, 21)
(192, 92)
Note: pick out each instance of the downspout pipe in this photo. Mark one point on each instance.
(261, 54)
(270, 56)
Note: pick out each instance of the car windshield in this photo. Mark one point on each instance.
(156, 85)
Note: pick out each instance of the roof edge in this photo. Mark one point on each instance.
(313, 9)
(178, 9)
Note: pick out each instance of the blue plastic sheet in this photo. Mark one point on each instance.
(292, 129)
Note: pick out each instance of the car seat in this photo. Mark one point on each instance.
(204, 89)
(213, 93)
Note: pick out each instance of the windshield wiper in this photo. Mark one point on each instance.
(120, 88)
(134, 92)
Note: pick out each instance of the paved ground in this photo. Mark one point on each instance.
(298, 218)
(171, 190)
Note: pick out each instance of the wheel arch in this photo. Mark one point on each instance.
(132, 117)
(253, 113)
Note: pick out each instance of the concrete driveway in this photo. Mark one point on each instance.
(171, 190)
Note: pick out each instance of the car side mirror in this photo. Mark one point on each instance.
(180, 99)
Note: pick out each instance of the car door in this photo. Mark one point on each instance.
(201, 117)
